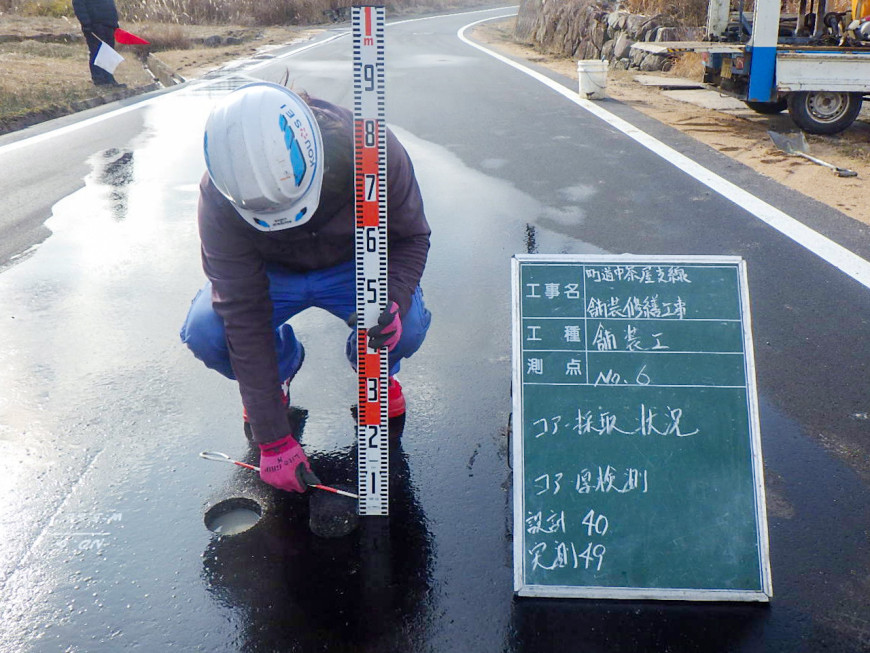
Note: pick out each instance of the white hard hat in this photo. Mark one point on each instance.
(264, 153)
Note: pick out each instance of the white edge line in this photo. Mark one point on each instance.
(841, 258)
(464, 13)
(66, 129)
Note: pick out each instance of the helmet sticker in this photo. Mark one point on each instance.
(292, 145)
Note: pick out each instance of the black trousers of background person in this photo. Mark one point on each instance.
(100, 76)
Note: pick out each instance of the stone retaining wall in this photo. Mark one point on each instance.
(585, 29)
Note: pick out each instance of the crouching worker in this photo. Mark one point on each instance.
(276, 221)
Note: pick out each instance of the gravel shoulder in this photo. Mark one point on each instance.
(741, 135)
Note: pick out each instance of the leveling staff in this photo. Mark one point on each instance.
(276, 221)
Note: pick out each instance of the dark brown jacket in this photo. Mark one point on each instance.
(235, 254)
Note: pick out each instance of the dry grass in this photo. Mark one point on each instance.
(22, 99)
(688, 65)
(227, 12)
(37, 77)
(166, 37)
(53, 8)
(29, 50)
(45, 77)
(688, 12)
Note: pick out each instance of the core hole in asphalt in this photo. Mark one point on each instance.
(233, 516)
(332, 515)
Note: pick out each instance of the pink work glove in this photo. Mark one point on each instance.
(285, 466)
(388, 331)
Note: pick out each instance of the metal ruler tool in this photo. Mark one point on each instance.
(370, 166)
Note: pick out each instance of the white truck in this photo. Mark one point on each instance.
(816, 64)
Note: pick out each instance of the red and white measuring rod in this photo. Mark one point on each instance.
(370, 165)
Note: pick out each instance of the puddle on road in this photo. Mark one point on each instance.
(88, 337)
(96, 313)
(474, 211)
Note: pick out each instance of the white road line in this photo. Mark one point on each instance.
(67, 129)
(841, 258)
(39, 138)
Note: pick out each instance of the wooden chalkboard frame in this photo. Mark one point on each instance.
(521, 586)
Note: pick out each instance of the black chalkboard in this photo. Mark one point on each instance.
(636, 449)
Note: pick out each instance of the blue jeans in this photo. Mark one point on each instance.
(331, 289)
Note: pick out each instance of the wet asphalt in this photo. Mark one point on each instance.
(103, 411)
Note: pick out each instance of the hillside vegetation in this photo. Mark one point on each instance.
(235, 12)
(690, 13)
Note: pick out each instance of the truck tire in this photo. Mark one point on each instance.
(768, 108)
(823, 112)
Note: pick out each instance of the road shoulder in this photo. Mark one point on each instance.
(741, 135)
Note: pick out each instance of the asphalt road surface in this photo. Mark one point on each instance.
(103, 411)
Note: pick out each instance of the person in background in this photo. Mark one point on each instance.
(277, 226)
(99, 19)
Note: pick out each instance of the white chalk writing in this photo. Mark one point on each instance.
(592, 555)
(554, 523)
(637, 308)
(646, 274)
(86, 531)
(608, 479)
(647, 420)
(572, 333)
(595, 479)
(572, 290)
(606, 340)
